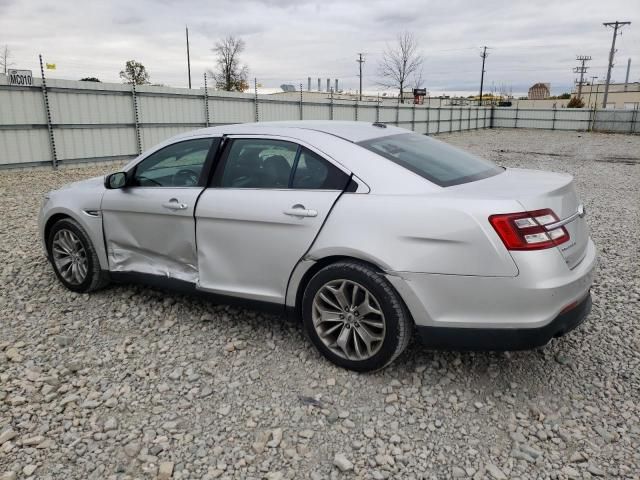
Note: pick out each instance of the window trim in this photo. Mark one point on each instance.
(228, 140)
(206, 166)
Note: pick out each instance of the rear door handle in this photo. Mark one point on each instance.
(299, 211)
(173, 204)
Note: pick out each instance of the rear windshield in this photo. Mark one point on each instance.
(436, 161)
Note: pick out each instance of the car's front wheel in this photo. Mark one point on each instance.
(354, 316)
(74, 258)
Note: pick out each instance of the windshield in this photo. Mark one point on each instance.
(436, 161)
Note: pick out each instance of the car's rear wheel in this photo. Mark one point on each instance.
(354, 316)
(74, 258)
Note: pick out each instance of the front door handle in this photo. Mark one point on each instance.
(299, 211)
(174, 204)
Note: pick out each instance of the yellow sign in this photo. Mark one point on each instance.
(51, 66)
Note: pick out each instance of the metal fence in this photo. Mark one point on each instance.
(614, 121)
(68, 121)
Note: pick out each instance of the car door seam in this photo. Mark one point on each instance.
(326, 218)
(215, 156)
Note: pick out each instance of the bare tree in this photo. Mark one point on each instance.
(5, 54)
(134, 73)
(418, 80)
(230, 75)
(400, 63)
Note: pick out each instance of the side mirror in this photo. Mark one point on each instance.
(115, 180)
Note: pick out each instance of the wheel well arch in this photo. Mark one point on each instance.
(319, 265)
(51, 221)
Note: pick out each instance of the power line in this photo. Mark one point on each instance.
(582, 69)
(616, 26)
(484, 55)
(360, 61)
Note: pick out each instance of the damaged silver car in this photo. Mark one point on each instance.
(367, 232)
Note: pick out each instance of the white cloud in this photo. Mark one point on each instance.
(288, 40)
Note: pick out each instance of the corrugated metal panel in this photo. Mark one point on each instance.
(153, 135)
(614, 120)
(24, 146)
(316, 111)
(405, 113)
(388, 114)
(88, 108)
(165, 109)
(75, 143)
(231, 110)
(367, 113)
(421, 114)
(271, 110)
(22, 107)
(343, 111)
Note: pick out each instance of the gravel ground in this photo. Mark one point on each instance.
(131, 382)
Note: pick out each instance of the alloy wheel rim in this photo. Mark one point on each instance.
(69, 256)
(348, 319)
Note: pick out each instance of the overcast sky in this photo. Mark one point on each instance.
(289, 40)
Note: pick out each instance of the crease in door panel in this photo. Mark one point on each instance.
(314, 239)
(134, 259)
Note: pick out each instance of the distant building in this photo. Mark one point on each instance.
(539, 91)
(621, 95)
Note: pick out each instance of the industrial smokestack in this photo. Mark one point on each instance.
(626, 81)
(336, 89)
(319, 85)
(328, 84)
(308, 84)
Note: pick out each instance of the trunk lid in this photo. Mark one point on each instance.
(536, 190)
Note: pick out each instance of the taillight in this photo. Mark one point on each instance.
(527, 231)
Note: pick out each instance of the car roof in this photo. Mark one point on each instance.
(350, 131)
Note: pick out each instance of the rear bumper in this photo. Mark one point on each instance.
(501, 339)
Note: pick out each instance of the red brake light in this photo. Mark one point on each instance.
(528, 231)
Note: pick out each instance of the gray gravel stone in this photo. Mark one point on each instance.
(495, 472)
(170, 378)
(341, 461)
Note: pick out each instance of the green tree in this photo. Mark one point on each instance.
(565, 96)
(230, 75)
(90, 79)
(575, 102)
(134, 73)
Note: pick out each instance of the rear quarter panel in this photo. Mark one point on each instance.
(417, 233)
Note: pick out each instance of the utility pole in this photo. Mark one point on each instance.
(484, 55)
(360, 61)
(593, 81)
(616, 26)
(582, 69)
(188, 58)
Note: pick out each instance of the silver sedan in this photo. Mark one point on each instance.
(367, 232)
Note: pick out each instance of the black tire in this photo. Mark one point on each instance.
(398, 322)
(96, 278)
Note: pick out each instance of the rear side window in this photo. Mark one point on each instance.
(258, 163)
(314, 172)
(436, 161)
(277, 164)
